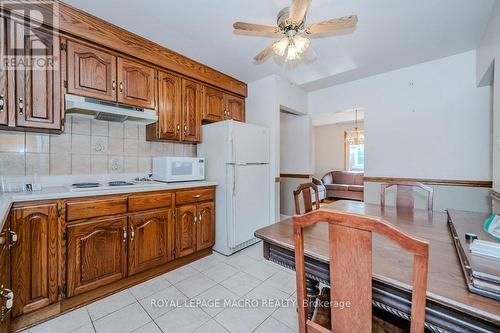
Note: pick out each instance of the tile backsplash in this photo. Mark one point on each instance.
(86, 147)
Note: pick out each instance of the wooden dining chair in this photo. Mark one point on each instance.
(305, 189)
(405, 194)
(350, 249)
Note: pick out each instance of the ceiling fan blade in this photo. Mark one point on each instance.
(298, 10)
(340, 23)
(258, 29)
(262, 56)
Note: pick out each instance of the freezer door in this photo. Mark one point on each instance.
(248, 198)
(247, 143)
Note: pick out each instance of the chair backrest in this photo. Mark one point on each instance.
(405, 194)
(305, 189)
(350, 249)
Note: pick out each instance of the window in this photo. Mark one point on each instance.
(355, 157)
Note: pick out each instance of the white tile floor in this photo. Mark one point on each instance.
(241, 278)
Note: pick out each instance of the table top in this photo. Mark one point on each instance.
(393, 265)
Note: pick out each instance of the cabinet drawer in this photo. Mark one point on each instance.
(78, 210)
(193, 196)
(149, 201)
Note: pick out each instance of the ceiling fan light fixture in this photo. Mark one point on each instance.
(291, 48)
(280, 47)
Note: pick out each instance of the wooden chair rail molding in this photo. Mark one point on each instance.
(76, 23)
(442, 182)
(295, 175)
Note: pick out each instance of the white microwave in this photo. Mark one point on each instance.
(178, 169)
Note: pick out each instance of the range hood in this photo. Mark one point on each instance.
(96, 109)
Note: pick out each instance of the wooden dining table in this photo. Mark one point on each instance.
(450, 307)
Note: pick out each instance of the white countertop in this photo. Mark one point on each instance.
(64, 192)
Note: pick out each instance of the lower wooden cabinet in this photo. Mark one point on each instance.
(5, 287)
(205, 227)
(151, 241)
(34, 257)
(96, 254)
(195, 227)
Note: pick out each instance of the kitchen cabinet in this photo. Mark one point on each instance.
(235, 107)
(136, 84)
(205, 227)
(37, 99)
(169, 110)
(4, 117)
(34, 257)
(191, 111)
(91, 72)
(186, 230)
(214, 108)
(96, 254)
(151, 241)
(5, 291)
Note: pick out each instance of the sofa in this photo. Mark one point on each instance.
(344, 185)
(321, 189)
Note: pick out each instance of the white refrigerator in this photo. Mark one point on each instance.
(237, 157)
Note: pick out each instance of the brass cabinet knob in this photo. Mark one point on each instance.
(2, 103)
(113, 85)
(124, 234)
(121, 86)
(13, 238)
(21, 105)
(132, 233)
(199, 218)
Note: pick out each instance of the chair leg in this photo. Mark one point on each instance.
(312, 294)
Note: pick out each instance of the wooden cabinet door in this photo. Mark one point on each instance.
(4, 117)
(38, 88)
(150, 240)
(205, 228)
(34, 257)
(235, 107)
(169, 107)
(96, 254)
(186, 230)
(191, 111)
(213, 106)
(136, 84)
(91, 72)
(4, 277)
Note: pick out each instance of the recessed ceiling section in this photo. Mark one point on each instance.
(390, 34)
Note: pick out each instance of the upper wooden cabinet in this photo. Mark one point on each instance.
(98, 74)
(4, 117)
(213, 109)
(37, 100)
(34, 257)
(191, 111)
(136, 84)
(91, 72)
(235, 107)
(96, 254)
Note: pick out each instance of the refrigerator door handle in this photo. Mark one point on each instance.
(234, 182)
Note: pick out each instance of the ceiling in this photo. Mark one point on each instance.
(391, 34)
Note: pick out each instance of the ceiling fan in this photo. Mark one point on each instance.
(293, 33)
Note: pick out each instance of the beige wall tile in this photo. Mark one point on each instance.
(99, 128)
(12, 142)
(12, 164)
(131, 147)
(131, 131)
(80, 164)
(80, 126)
(37, 143)
(37, 164)
(115, 130)
(99, 164)
(142, 132)
(60, 143)
(144, 148)
(144, 164)
(115, 164)
(60, 164)
(157, 148)
(190, 150)
(168, 148)
(130, 164)
(178, 149)
(67, 123)
(80, 144)
(99, 145)
(115, 146)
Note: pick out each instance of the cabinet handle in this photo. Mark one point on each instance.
(9, 301)
(195, 219)
(121, 86)
(13, 238)
(21, 105)
(178, 128)
(199, 218)
(124, 234)
(1, 103)
(197, 196)
(113, 85)
(132, 233)
(185, 129)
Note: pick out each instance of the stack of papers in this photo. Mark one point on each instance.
(485, 260)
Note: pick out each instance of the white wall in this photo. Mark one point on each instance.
(291, 97)
(419, 117)
(295, 144)
(424, 121)
(329, 147)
